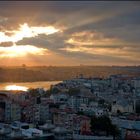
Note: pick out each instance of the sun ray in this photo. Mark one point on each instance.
(20, 51)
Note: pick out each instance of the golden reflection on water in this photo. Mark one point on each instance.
(15, 87)
(41, 84)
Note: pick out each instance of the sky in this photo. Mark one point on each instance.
(69, 33)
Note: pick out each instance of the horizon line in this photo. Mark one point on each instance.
(70, 65)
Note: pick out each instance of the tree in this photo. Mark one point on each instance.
(115, 131)
(101, 101)
(104, 124)
(54, 90)
(73, 91)
(119, 112)
(95, 124)
(80, 113)
(47, 93)
(33, 92)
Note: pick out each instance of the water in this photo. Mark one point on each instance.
(44, 84)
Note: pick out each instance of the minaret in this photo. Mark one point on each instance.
(134, 101)
(134, 105)
(92, 90)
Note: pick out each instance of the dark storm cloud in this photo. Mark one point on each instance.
(52, 42)
(39, 41)
(124, 26)
(53, 12)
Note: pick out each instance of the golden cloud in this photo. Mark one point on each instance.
(91, 38)
(26, 31)
(114, 52)
(20, 51)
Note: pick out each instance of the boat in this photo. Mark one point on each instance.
(47, 127)
(16, 132)
(35, 134)
(4, 129)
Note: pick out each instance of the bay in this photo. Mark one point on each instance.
(42, 84)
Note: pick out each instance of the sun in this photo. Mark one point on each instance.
(24, 31)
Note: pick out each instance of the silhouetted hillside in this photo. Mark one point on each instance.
(44, 73)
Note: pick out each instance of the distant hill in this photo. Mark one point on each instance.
(50, 73)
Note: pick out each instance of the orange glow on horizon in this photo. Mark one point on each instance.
(20, 51)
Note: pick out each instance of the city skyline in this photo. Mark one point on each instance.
(69, 33)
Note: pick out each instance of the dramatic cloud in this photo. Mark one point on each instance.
(6, 44)
(62, 33)
(12, 37)
(91, 39)
(26, 32)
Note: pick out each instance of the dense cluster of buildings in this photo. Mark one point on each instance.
(71, 103)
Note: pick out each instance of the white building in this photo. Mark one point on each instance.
(122, 106)
(136, 83)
